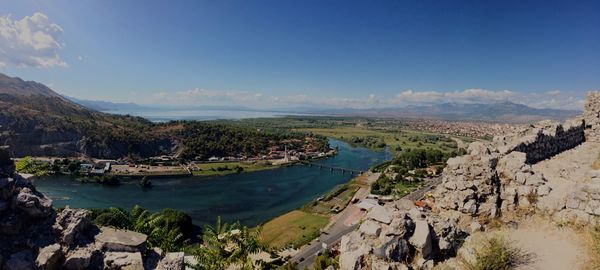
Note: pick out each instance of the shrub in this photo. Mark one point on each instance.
(532, 197)
(594, 247)
(498, 253)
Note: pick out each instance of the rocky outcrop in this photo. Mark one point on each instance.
(470, 183)
(493, 180)
(410, 238)
(50, 257)
(121, 240)
(34, 236)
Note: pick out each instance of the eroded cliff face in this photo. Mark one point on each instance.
(544, 168)
(34, 236)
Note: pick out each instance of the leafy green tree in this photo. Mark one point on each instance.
(289, 266)
(164, 229)
(73, 166)
(324, 260)
(227, 244)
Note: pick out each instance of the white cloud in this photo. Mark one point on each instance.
(479, 96)
(80, 58)
(30, 42)
(410, 96)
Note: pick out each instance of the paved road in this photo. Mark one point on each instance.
(429, 185)
(310, 252)
(346, 222)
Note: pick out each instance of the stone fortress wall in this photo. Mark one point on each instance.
(552, 139)
(591, 116)
(498, 177)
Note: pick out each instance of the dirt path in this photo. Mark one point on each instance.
(551, 247)
(563, 171)
(547, 246)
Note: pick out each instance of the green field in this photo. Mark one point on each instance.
(295, 228)
(402, 189)
(395, 140)
(338, 198)
(224, 168)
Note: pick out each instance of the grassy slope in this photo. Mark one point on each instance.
(294, 228)
(287, 229)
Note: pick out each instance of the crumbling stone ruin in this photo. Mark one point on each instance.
(591, 116)
(34, 236)
(545, 139)
(491, 181)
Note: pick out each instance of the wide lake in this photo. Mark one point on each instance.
(252, 198)
(165, 115)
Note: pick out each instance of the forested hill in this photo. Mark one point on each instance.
(34, 120)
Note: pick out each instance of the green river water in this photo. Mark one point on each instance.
(251, 198)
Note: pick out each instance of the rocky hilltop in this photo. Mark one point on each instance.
(543, 169)
(35, 236)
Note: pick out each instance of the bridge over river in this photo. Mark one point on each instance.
(332, 168)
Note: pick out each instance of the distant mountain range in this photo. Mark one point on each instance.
(105, 106)
(505, 112)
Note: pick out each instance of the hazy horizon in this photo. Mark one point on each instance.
(334, 54)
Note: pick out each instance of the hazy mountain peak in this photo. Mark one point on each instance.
(17, 86)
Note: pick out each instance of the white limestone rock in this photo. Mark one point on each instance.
(50, 257)
(422, 238)
(123, 260)
(370, 227)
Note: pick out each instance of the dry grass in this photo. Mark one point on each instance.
(594, 248)
(596, 165)
(295, 228)
(497, 253)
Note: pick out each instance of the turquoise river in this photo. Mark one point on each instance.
(252, 198)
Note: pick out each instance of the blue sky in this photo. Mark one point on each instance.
(306, 53)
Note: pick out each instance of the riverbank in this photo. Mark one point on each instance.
(252, 198)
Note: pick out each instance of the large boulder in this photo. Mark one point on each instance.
(172, 261)
(72, 224)
(123, 261)
(370, 227)
(352, 251)
(79, 259)
(50, 257)
(422, 239)
(380, 214)
(121, 240)
(33, 203)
